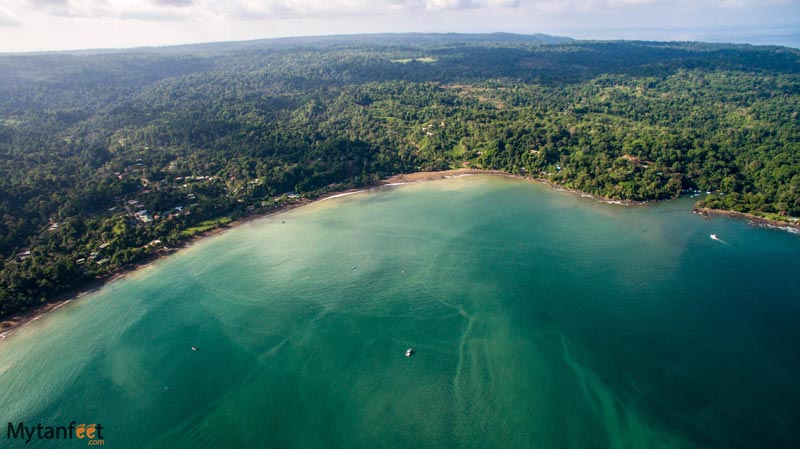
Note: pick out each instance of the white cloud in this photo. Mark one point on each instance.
(175, 3)
(466, 4)
(65, 8)
(7, 18)
(48, 3)
(294, 9)
(633, 2)
(258, 9)
(8, 22)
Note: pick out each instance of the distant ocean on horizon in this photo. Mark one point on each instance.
(539, 319)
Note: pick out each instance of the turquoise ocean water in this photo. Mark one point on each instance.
(539, 319)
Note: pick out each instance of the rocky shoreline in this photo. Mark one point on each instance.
(754, 220)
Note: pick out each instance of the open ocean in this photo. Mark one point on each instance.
(538, 319)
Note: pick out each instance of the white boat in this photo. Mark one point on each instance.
(409, 352)
(194, 348)
(714, 237)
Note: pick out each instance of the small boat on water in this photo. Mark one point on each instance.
(714, 237)
(194, 348)
(409, 352)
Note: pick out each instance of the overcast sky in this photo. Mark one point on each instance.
(30, 25)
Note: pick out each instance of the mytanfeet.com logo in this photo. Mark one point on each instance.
(92, 434)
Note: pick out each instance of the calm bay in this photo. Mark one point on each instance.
(538, 319)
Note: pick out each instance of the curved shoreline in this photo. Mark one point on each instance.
(435, 175)
(9, 325)
(13, 323)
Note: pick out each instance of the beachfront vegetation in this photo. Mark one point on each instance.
(106, 158)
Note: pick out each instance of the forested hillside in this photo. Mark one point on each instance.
(106, 157)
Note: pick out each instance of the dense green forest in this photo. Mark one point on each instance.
(107, 157)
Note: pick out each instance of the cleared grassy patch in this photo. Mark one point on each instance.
(426, 59)
(205, 226)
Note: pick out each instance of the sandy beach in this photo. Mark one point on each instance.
(10, 324)
(422, 176)
(435, 175)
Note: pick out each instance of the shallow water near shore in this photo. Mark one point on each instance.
(538, 319)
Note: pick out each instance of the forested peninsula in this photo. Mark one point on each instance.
(107, 157)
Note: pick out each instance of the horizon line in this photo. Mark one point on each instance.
(94, 50)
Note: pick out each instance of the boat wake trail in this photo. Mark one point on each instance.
(716, 238)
